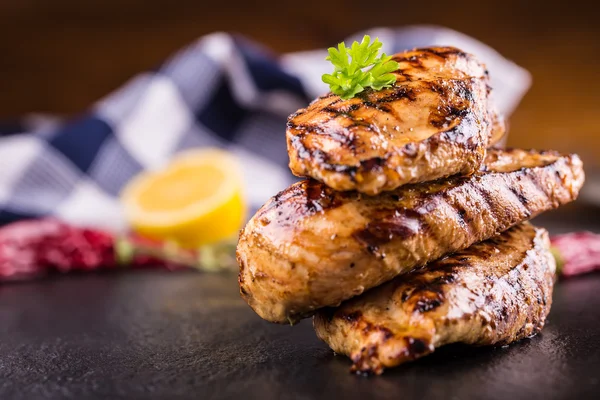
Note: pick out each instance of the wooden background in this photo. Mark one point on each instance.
(59, 56)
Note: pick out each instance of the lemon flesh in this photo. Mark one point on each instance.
(198, 199)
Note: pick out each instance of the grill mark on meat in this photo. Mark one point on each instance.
(351, 317)
(429, 293)
(461, 88)
(399, 93)
(380, 107)
(363, 124)
(298, 113)
(459, 211)
(387, 334)
(424, 208)
(343, 136)
(388, 225)
(418, 347)
(350, 169)
(488, 200)
(344, 110)
(410, 150)
(534, 179)
(323, 160)
(290, 124)
(464, 91)
(366, 166)
(332, 110)
(328, 313)
(319, 198)
(436, 86)
(558, 178)
(328, 95)
(349, 113)
(443, 116)
(336, 101)
(305, 199)
(414, 61)
(372, 164)
(520, 195)
(402, 57)
(370, 328)
(463, 134)
(444, 52)
(357, 320)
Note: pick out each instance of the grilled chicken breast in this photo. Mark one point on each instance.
(436, 121)
(493, 293)
(309, 246)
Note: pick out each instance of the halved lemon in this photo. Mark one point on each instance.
(198, 199)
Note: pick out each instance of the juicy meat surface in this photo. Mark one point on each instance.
(436, 121)
(493, 293)
(309, 246)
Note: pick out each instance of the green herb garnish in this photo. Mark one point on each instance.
(349, 77)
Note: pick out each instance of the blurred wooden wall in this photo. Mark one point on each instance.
(59, 56)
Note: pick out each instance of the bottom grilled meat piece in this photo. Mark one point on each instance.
(311, 247)
(493, 293)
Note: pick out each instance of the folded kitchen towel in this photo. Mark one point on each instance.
(220, 91)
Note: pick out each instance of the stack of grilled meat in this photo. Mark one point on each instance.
(407, 199)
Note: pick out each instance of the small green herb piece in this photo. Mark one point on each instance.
(350, 78)
(560, 262)
(124, 251)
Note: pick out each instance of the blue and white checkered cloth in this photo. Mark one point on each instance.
(220, 91)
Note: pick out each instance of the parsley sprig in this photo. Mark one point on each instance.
(350, 77)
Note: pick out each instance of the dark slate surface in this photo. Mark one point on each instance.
(159, 335)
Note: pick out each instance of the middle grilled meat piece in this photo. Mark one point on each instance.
(311, 246)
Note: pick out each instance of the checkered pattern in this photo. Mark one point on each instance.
(221, 91)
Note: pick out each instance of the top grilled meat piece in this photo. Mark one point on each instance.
(436, 121)
(310, 246)
(492, 293)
